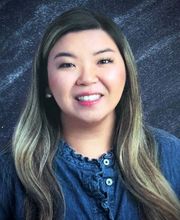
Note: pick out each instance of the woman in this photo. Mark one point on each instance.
(81, 149)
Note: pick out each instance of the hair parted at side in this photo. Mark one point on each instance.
(39, 128)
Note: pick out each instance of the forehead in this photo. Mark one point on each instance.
(87, 39)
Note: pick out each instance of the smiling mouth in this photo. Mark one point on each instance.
(86, 98)
(89, 100)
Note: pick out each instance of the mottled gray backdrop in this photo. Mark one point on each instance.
(152, 28)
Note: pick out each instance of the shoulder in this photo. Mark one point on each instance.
(11, 190)
(164, 137)
(168, 147)
(6, 166)
(7, 170)
(6, 183)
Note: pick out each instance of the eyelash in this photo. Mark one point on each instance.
(66, 65)
(69, 65)
(105, 61)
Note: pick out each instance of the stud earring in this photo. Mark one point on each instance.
(48, 95)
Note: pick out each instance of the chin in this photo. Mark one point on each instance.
(94, 120)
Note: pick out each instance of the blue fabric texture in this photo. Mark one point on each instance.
(92, 188)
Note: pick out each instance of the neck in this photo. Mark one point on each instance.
(89, 139)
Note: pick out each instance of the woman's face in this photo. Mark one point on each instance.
(86, 76)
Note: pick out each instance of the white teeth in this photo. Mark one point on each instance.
(89, 97)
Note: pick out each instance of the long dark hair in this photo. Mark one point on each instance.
(38, 130)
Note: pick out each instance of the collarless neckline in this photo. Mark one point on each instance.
(69, 154)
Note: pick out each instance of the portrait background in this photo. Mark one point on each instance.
(151, 27)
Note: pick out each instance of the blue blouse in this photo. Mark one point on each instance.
(92, 189)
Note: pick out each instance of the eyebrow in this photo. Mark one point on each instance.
(64, 54)
(103, 51)
(67, 54)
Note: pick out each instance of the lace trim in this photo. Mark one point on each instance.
(70, 154)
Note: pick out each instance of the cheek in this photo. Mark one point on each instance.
(56, 83)
(53, 82)
(116, 78)
(54, 78)
(60, 84)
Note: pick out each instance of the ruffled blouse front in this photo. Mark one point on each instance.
(92, 188)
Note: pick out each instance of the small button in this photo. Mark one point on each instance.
(106, 162)
(109, 181)
(104, 204)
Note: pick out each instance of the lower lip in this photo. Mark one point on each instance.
(89, 103)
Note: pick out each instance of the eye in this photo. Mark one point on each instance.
(105, 61)
(66, 65)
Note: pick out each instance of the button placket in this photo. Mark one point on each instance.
(104, 181)
(107, 169)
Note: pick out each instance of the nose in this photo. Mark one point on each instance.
(87, 76)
